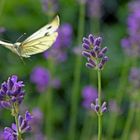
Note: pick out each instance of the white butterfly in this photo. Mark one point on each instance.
(38, 42)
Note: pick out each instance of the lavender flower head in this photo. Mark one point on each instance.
(94, 53)
(97, 108)
(134, 77)
(131, 44)
(41, 77)
(11, 92)
(89, 94)
(58, 52)
(12, 133)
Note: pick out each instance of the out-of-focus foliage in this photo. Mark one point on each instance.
(26, 16)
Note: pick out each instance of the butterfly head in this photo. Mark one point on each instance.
(16, 45)
(16, 48)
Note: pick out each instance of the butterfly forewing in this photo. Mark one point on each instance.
(46, 30)
(38, 45)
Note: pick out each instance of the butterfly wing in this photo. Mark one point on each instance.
(37, 45)
(9, 46)
(46, 30)
(41, 40)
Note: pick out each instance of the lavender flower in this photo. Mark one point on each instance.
(50, 6)
(94, 53)
(96, 107)
(131, 44)
(41, 77)
(12, 133)
(11, 92)
(89, 94)
(58, 52)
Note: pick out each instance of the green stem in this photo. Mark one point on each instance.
(99, 102)
(18, 131)
(49, 105)
(99, 87)
(129, 121)
(15, 114)
(76, 82)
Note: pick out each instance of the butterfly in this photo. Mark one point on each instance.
(38, 42)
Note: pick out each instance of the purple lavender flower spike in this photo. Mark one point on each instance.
(104, 60)
(86, 54)
(92, 106)
(91, 39)
(11, 92)
(97, 108)
(91, 62)
(98, 41)
(11, 133)
(85, 46)
(100, 55)
(104, 50)
(89, 65)
(97, 48)
(93, 52)
(103, 107)
(86, 41)
(102, 63)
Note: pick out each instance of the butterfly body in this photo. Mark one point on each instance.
(38, 42)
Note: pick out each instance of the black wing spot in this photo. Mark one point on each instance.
(46, 34)
(49, 27)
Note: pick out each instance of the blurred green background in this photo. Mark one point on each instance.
(58, 105)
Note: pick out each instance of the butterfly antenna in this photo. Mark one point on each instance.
(20, 37)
